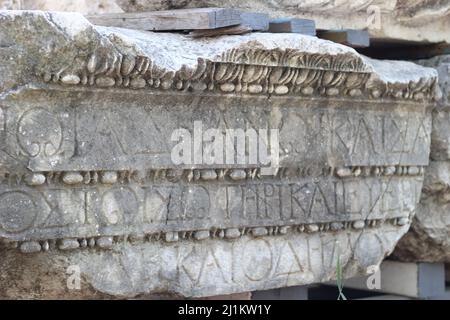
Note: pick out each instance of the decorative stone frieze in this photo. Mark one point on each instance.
(89, 181)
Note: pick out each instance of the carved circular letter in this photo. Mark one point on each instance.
(39, 132)
(369, 250)
(196, 199)
(120, 206)
(257, 259)
(17, 211)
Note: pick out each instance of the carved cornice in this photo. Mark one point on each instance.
(247, 71)
(82, 54)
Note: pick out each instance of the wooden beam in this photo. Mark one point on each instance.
(288, 293)
(351, 38)
(240, 29)
(416, 280)
(182, 19)
(447, 266)
(386, 297)
(255, 20)
(293, 25)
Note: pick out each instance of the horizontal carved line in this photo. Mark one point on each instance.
(232, 77)
(107, 242)
(203, 175)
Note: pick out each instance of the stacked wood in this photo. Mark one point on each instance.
(211, 22)
(239, 29)
(182, 19)
(289, 25)
(351, 38)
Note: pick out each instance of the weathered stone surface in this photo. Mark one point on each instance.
(428, 240)
(88, 179)
(82, 6)
(199, 268)
(412, 20)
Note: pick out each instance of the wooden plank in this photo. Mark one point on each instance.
(288, 293)
(445, 296)
(232, 296)
(431, 279)
(416, 280)
(293, 25)
(240, 29)
(447, 266)
(181, 19)
(255, 20)
(386, 297)
(351, 38)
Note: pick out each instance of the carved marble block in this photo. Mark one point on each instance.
(428, 240)
(88, 183)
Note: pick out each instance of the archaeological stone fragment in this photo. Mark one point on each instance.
(89, 186)
(429, 237)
